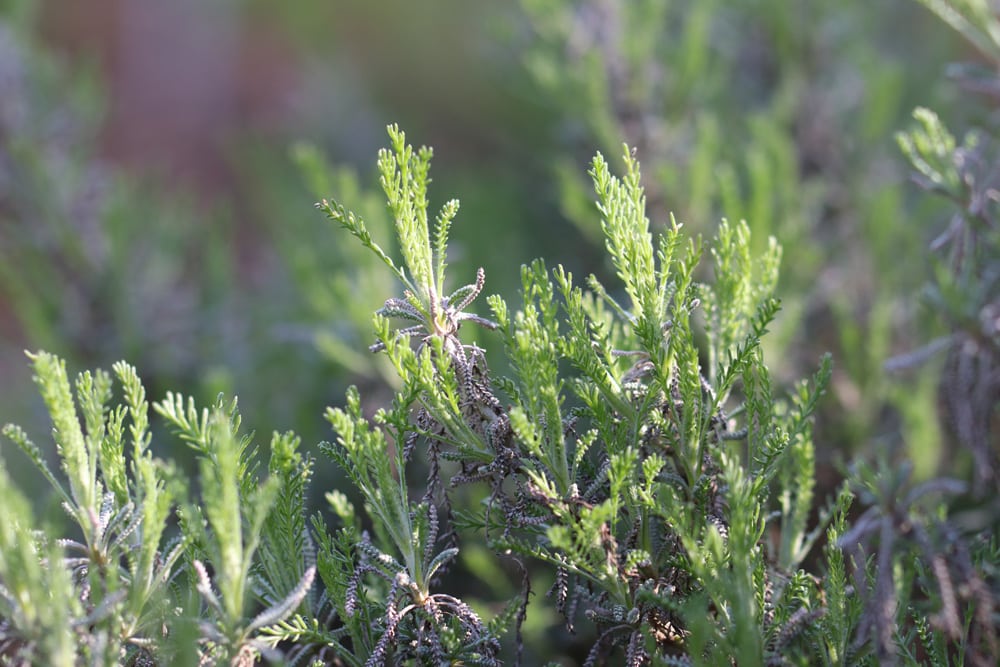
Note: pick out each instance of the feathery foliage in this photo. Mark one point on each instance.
(639, 458)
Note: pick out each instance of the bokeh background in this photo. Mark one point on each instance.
(159, 162)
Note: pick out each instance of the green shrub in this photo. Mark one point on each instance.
(662, 486)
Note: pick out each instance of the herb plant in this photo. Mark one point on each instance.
(637, 457)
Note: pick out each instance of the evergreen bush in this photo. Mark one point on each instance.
(638, 458)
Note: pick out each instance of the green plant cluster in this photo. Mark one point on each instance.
(740, 113)
(667, 496)
(625, 472)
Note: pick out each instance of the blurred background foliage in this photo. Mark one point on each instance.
(159, 161)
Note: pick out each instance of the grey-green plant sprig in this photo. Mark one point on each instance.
(227, 529)
(404, 178)
(471, 408)
(447, 380)
(120, 498)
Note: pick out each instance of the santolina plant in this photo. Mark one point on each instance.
(637, 457)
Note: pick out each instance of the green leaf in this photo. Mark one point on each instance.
(78, 460)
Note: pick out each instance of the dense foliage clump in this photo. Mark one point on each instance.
(659, 485)
(617, 470)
